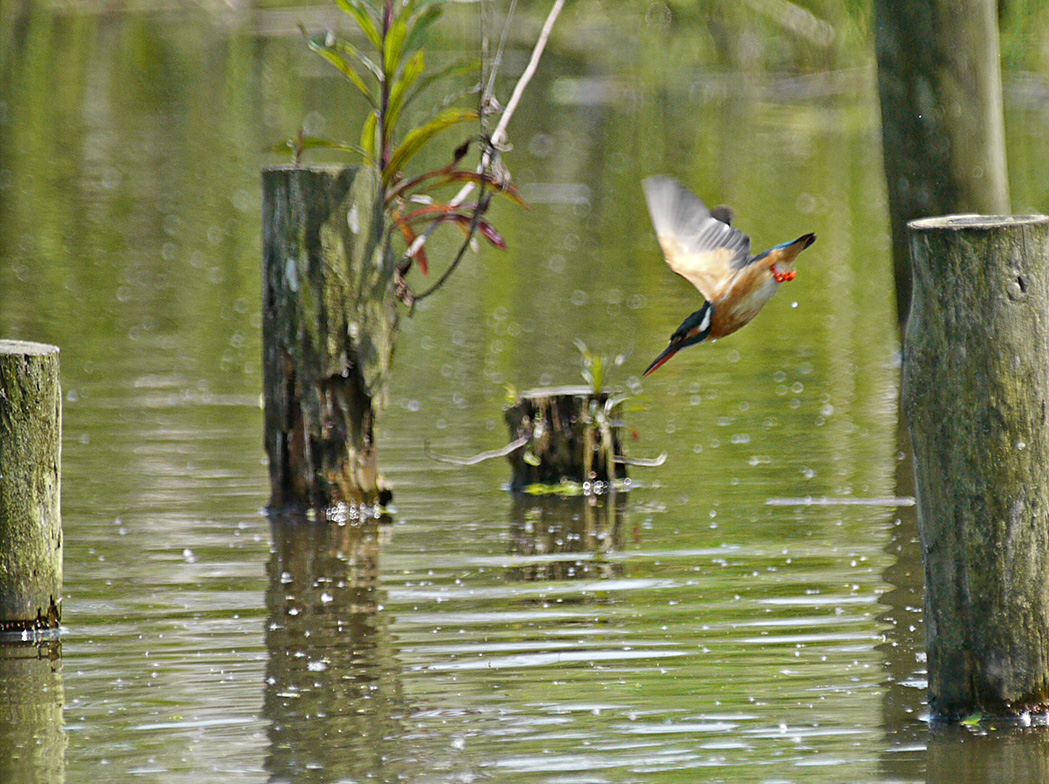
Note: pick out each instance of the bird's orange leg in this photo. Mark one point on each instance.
(782, 277)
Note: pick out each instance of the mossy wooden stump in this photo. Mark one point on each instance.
(30, 486)
(976, 397)
(327, 332)
(569, 434)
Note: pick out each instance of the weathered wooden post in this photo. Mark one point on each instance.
(327, 332)
(568, 434)
(30, 486)
(976, 394)
(943, 130)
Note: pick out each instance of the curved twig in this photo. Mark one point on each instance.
(498, 136)
(482, 206)
(643, 462)
(513, 446)
(489, 88)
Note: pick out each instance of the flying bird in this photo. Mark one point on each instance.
(701, 246)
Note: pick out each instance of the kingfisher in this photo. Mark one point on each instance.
(701, 246)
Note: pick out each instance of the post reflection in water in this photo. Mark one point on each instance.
(987, 755)
(32, 738)
(333, 696)
(903, 651)
(554, 525)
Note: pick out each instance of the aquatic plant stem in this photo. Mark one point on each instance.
(497, 61)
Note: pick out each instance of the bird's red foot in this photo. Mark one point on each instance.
(782, 277)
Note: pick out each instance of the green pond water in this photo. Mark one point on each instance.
(749, 612)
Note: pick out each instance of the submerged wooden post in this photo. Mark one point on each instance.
(327, 332)
(976, 394)
(570, 434)
(30, 486)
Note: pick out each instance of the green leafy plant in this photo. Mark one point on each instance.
(390, 74)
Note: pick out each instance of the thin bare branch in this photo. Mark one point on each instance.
(499, 135)
(489, 88)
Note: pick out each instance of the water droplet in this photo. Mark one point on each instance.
(291, 274)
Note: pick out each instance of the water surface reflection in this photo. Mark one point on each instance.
(564, 538)
(32, 735)
(333, 695)
(987, 756)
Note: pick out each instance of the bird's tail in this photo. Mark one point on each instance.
(794, 247)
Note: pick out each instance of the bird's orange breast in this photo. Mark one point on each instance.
(743, 298)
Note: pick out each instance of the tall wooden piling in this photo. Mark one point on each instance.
(976, 394)
(328, 329)
(943, 129)
(30, 486)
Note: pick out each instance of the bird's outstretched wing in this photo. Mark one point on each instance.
(700, 248)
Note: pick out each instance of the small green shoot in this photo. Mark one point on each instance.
(593, 366)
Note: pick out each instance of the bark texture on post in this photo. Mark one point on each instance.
(30, 486)
(327, 332)
(943, 130)
(573, 436)
(976, 394)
